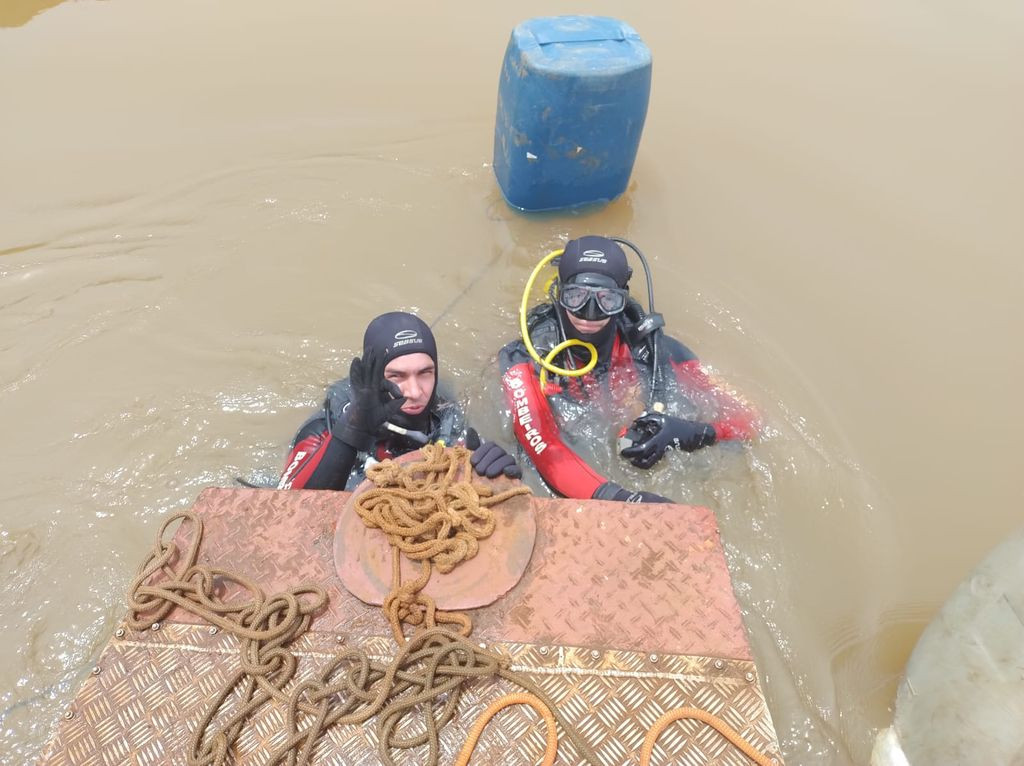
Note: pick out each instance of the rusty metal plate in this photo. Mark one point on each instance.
(150, 691)
(624, 613)
(362, 556)
(621, 575)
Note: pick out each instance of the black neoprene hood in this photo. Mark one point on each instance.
(594, 255)
(398, 333)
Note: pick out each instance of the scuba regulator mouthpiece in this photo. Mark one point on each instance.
(416, 436)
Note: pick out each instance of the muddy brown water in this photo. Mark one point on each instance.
(203, 203)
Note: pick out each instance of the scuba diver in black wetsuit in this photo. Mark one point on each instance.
(590, 303)
(388, 405)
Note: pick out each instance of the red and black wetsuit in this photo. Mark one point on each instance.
(319, 460)
(625, 373)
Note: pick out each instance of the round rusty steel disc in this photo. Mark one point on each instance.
(362, 556)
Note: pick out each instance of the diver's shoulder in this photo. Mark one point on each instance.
(511, 354)
(542, 324)
(340, 391)
(676, 350)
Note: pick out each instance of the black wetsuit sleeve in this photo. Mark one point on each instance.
(317, 459)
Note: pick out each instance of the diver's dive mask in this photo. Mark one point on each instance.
(592, 296)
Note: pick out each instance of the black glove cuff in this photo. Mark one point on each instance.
(609, 491)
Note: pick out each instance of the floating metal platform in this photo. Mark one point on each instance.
(624, 613)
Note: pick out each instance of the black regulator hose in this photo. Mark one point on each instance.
(657, 397)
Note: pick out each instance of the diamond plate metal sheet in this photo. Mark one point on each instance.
(150, 690)
(649, 578)
(625, 613)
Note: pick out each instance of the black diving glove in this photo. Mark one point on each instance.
(489, 459)
(374, 402)
(651, 434)
(612, 491)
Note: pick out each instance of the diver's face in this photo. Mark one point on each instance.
(587, 326)
(415, 375)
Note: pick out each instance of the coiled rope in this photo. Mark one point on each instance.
(433, 517)
(263, 625)
(425, 676)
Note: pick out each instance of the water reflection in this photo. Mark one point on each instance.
(867, 669)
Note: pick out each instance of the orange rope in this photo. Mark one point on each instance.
(550, 751)
(713, 721)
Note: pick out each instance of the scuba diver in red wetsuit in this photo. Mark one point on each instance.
(590, 304)
(387, 406)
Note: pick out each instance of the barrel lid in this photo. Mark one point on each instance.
(572, 42)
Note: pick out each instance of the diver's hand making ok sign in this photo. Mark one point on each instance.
(374, 401)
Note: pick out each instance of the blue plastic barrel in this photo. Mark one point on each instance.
(571, 107)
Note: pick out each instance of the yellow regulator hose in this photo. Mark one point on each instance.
(545, 363)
